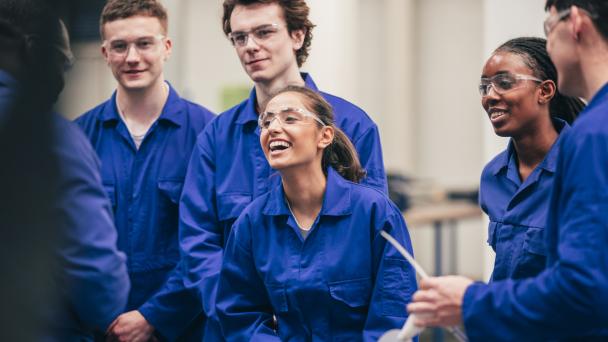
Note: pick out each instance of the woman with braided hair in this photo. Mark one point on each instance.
(519, 93)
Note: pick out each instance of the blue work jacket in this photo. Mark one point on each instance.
(144, 186)
(343, 282)
(518, 211)
(569, 298)
(228, 170)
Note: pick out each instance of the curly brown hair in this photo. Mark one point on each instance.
(296, 17)
(122, 9)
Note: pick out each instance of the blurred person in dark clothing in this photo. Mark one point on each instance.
(64, 278)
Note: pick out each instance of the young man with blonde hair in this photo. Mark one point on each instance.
(144, 135)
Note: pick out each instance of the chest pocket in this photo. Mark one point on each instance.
(535, 242)
(171, 189)
(354, 293)
(167, 213)
(231, 205)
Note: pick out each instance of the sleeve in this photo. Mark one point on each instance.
(570, 296)
(243, 306)
(201, 234)
(395, 280)
(190, 287)
(370, 155)
(172, 309)
(93, 270)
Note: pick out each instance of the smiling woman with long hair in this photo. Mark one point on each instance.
(307, 260)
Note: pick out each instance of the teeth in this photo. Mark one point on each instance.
(277, 144)
(495, 115)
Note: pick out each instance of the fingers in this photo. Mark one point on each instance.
(112, 325)
(430, 283)
(425, 296)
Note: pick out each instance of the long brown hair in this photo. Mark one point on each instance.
(341, 154)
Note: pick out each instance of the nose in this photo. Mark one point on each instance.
(491, 92)
(275, 126)
(251, 44)
(492, 97)
(132, 54)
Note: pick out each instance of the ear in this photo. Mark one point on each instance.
(547, 91)
(327, 137)
(297, 37)
(576, 19)
(105, 54)
(168, 48)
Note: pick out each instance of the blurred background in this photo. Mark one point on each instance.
(413, 65)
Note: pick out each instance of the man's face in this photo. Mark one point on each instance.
(136, 49)
(269, 51)
(563, 53)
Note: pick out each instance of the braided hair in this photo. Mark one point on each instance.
(533, 51)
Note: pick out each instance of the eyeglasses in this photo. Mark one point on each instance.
(143, 45)
(287, 117)
(503, 83)
(551, 21)
(260, 34)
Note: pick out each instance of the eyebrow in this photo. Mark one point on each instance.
(253, 29)
(500, 72)
(125, 39)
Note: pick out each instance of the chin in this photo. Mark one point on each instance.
(136, 85)
(277, 165)
(260, 75)
(502, 132)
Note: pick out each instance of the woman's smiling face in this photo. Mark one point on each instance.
(291, 143)
(515, 111)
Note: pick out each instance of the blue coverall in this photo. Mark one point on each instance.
(569, 298)
(343, 282)
(144, 186)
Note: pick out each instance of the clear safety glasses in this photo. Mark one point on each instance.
(503, 83)
(143, 45)
(288, 117)
(259, 34)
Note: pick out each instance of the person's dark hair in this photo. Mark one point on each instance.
(296, 17)
(341, 153)
(122, 9)
(597, 8)
(533, 51)
(31, 34)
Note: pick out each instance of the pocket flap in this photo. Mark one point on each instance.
(231, 205)
(535, 241)
(171, 188)
(353, 293)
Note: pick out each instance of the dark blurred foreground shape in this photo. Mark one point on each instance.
(58, 242)
(28, 174)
